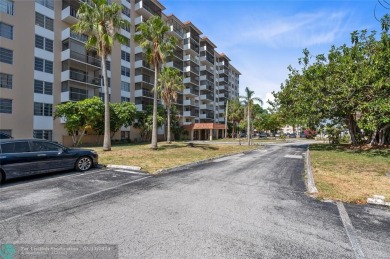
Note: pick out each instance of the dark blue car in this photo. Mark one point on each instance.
(23, 157)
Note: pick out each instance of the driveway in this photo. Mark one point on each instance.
(245, 206)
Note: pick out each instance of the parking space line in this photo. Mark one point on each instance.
(74, 199)
(357, 249)
(51, 179)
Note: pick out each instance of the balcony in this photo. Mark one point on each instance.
(140, 19)
(204, 60)
(188, 80)
(86, 59)
(143, 79)
(75, 96)
(206, 87)
(190, 91)
(205, 97)
(147, 8)
(143, 64)
(69, 15)
(143, 93)
(80, 77)
(207, 107)
(67, 33)
(191, 58)
(188, 48)
(190, 114)
(175, 32)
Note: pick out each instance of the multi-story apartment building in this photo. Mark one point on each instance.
(44, 63)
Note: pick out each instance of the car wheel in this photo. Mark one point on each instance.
(84, 163)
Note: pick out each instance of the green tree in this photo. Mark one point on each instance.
(80, 116)
(349, 86)
(102, 22)
(121, 114)
(158, 45)
(170, 82)
(145, 121)
(248, 101)
(235, 114)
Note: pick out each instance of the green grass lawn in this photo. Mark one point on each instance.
(167, 155)
(350, 175)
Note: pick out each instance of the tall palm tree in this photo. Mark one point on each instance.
(158, 45)
(249, 100)
(102, 22)
(236, 113)
(170, 82)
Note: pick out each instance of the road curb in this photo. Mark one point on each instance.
(311, 187)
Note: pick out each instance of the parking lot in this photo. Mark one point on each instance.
(33, 194)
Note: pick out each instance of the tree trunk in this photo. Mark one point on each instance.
(352, 128)
(154, 126)
(249, 126)
(373, 138)
(169, 126)
(382, 134)
(107, 135)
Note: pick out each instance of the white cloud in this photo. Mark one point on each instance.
(296, 31)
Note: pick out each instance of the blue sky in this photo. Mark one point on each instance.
(263, 37)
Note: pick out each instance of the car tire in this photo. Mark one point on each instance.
(84, 163)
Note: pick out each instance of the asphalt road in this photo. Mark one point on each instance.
(245, 206)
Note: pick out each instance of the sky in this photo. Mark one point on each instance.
(263, 37)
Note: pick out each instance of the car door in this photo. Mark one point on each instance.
(48, 155)
(16, 159)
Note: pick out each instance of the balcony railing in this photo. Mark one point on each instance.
(81, 77)
(85, 58)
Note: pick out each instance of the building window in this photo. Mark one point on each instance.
(126, 11)
(43, 21)
(6, 31)
(43, 134)
(47, 3)
(41, 87)
(5, 105)
(125, 71)
(127, 42)
(125, 99)
(43, 43)
(108, 65)
(43, 65)
(125, 86)
(125, 135)
(5, 80)
(7, 6)
(101, 95)
(43, 109)
(125, 56)
(6, 56)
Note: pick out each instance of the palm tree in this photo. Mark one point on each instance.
(248, 100)
(158, 45)
(102, 22)
(235, 113)
(170, 82)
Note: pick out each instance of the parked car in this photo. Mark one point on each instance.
(292, 135)
(302, 135)
(262, 135)
(5, 136)
(242, 135)
(23, 157)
